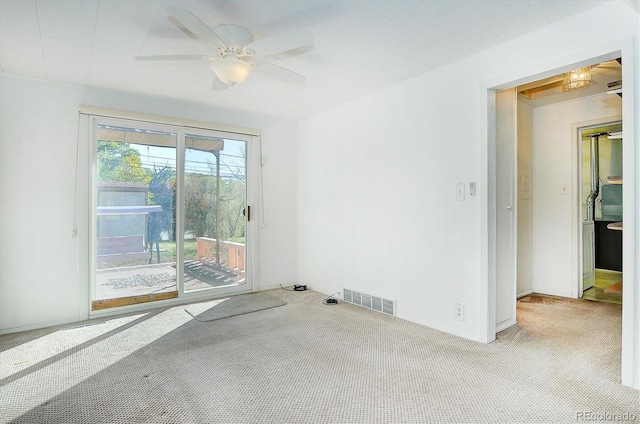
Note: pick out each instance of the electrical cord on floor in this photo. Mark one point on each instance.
(296, 287)
(330, 300)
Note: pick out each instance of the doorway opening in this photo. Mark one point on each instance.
(556, 220)
(600, 175)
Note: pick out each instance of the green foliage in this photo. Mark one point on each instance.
(162, 191)
(232, 205)
(120, 162)
(199, 201)
(201, 211)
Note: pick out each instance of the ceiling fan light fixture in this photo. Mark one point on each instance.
(233, 50)
(577, 78)
(231, 70)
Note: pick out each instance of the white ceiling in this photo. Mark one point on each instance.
(361, 46)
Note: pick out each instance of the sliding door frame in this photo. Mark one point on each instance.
(91, 117)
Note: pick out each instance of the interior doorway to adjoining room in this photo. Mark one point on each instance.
(600, 176)
(565, 187)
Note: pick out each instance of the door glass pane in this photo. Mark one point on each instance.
(214, 217)
(136, 192)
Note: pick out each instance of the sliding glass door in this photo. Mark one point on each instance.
(215, 193)
(170, 212)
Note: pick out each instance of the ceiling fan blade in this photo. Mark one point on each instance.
(280, 43)
(281, 74)
(174, 57)
(194, 27)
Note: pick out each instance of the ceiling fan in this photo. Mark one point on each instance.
(234, 53)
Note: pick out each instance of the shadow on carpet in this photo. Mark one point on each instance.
(232, 306)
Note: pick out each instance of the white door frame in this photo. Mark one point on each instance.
(630, 367)
(89, 116)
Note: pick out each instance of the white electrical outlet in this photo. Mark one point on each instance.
(459, 312)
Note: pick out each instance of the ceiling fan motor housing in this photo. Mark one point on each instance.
(236, 37)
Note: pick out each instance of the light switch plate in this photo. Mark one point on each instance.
(460, 191)
(459, 312)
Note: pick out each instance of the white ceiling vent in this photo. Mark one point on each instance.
(369, 301)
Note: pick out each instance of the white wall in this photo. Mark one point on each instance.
(43, 269)
(377, 201)
(377, 178)
(525, 199)
(555, 144)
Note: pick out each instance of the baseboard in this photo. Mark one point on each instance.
(527, 293)
(505, 324)
(39, 326)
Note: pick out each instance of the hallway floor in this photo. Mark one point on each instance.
(604, 279)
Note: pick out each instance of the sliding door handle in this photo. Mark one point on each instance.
(247, 212)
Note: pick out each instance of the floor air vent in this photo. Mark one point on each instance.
(369, 301)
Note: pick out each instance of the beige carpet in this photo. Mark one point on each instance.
(306, 362)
